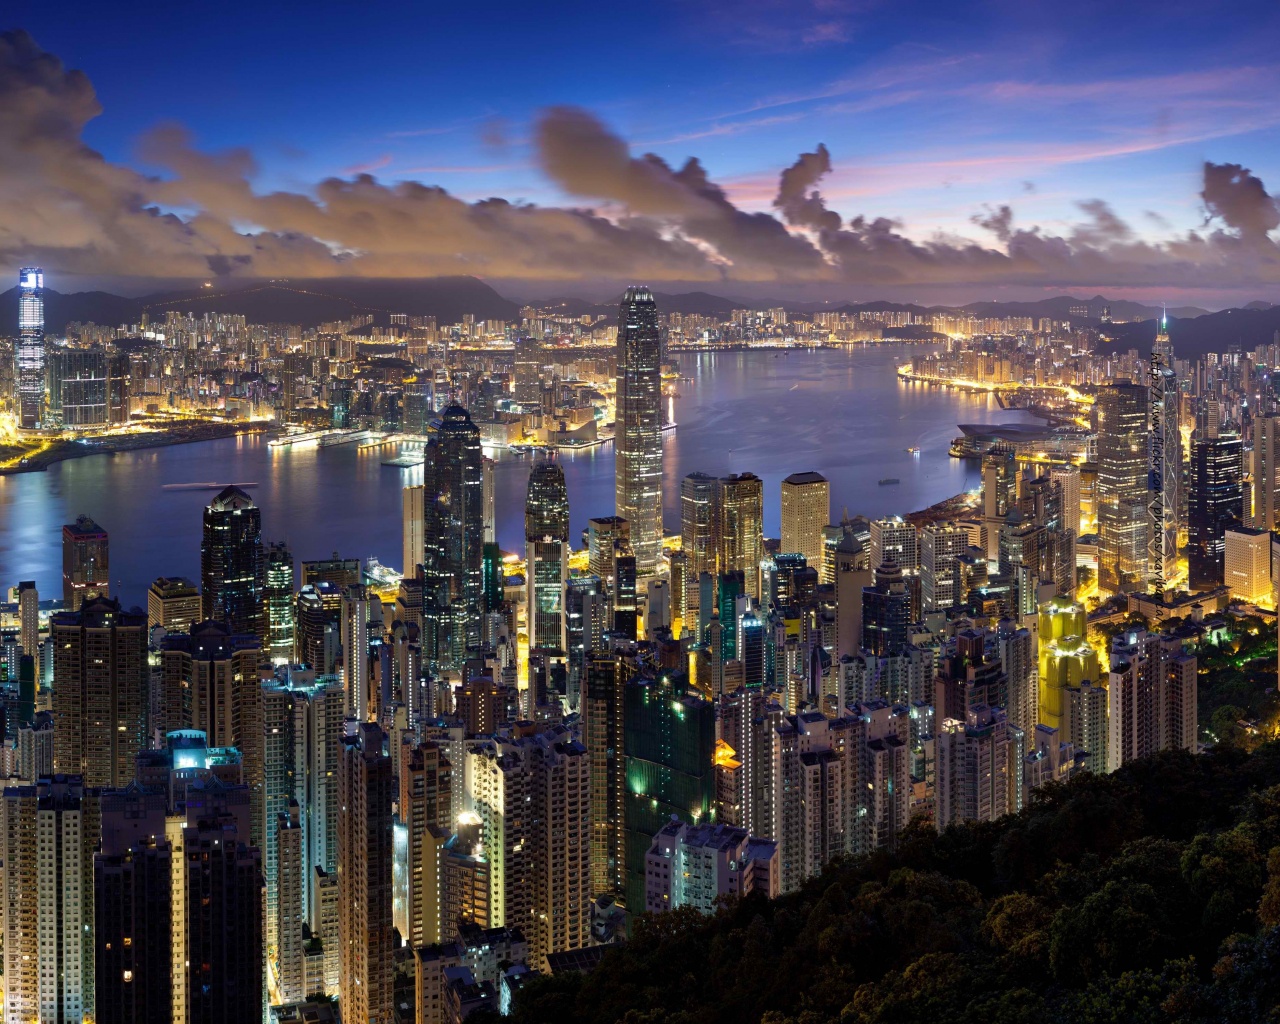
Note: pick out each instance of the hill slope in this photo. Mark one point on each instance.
(1151, 895)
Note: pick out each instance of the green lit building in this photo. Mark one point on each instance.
(669, 737)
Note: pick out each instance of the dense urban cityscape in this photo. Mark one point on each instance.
(772, 519)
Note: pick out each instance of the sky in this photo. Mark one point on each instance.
(967, 150)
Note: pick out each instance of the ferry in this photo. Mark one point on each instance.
(889, 480)
(913, 451)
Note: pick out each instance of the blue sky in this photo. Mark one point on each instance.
(932, 112)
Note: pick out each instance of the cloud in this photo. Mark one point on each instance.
(62, 204)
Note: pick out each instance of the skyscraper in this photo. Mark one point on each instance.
(1266, 472)
(698, 520)
(412, 515)
(941, 545)
(278, 604)
(546, 531)
(85, 565)
(232, 568)
(453, 539)
(173, 603)
(806, 509)
(603, 709)
(1164, 471)
(28, 350)
(1216, 505)
(528, 373)
(29, 617)
(1123, 524)
(893, 537)
(740, 530)
(100, 691)
(638, 426)
(365, 784)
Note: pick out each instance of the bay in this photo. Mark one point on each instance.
(841, 412)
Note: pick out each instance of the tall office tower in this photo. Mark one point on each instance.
(317, 635)
(603, 711)
(1246, 562)
(489, 500)
(360, 622)
(1266, 472)
(669, 739)
(411, 519)
(740, 530)
(999, 494)
(806, 509)
(1152, 693)
(1164, 469)
(1215, 505)
(86, 569)
(886, 611)
(225, 954)
(366, 792)
(941, 547)
(453, 538)
(606, 537)
(638, 427)
(29, 617)
(699, 518)
(425, 807)
(291, 885)
(1069, 478)
(278, 604)
(28, 350)
(851, 574)
(133, 890)
(100, 686)
(978, 768)
(586, 615)
(50, 832)
(528, 373)
(232, 569)
(173, 603)
(1121, 419)
(546, 533)
(894, 539)
(340, 572)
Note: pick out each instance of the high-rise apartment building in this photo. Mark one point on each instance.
(412, 519)
(603, 716)
(893, 538)
(453, 539)
(1152, 692)
(100, 691)
(886, 611)
(366, 792)
(806, 509)
(546, 530)
(29, 618)
(699, 866)
(1123, 525)
(133, 894)
(638, 426)
(424, 810)
(978, 768)
(50, 831)
(291, 885)
(1216, 505)
(173, 603)
(361, 624)
(86, 569)
(941, 548)
(29, 349)
(1266, 472)
(232, 567)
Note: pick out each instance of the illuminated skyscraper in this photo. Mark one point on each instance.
(941, 545)
(85, 565)
(1216, 505)
(698, 519)
(278, 604)
(232, 569)
(29, 617)
(806, 509)
(1164, 470)
(1123, 525)
(412, 515)
(894, 538)
(638, 426)
(173, 603)
(100, 691)
(1266, 472)
(28, 350)
(740, 530)
(528, 373)
(546, 530)
(453, 540)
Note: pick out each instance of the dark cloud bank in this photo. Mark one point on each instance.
(63, 205)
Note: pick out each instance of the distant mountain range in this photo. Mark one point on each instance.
(1194, 331)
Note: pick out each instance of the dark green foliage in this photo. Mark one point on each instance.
(1150, 896)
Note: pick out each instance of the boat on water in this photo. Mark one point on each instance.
(889, 480)
(205, 486)
(913, 451)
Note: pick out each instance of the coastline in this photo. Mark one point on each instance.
(62, 450)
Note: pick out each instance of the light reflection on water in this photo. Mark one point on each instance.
(840, 412)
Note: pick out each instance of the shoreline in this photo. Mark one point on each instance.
(63, 450)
